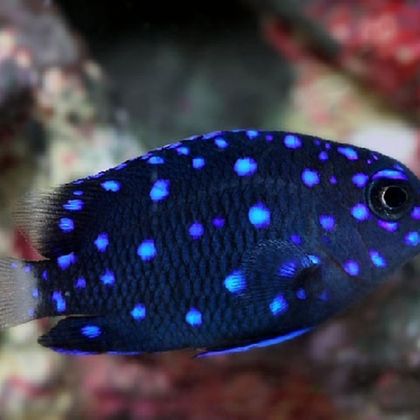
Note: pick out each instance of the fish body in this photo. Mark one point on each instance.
(221, 242)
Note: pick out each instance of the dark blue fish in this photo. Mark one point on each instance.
(223, 242)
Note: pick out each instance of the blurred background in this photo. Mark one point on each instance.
(85, 85)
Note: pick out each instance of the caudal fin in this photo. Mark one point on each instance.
(18, 292)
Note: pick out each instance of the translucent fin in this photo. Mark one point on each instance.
(86, 335)
(57, 222)
(254, 345)
(17, 298)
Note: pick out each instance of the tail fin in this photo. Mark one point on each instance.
(18, 292)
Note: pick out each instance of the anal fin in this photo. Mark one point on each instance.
(253, 345)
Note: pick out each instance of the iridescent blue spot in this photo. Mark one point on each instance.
(269, 137)
(360, 212)
(333, 180)
(252, 134)
(296, 239)
(121, 166)
(301, 294)
(139, 312)
(287, 269)
(160, 190)
(377, 259)
(310, 178)
(279, 305)
(198, 163)
(292, 142)
(78, 193)
(65, 261)
(66, 225)
(388, 226)
(348, 152)
(327, 222)
(45, 275)
(102, 242)
(415, 214)
(218, 222)
(156, 160)
(35, 293)
(113, 186)
(323, 156)
(196, 230)
(324, 295)
(245, 166)
(91, 331)
(390, 174)
(235, 282)
(327, 146)
(412, 239)
(221, 143)
(259, 216)
(108, 278)
(182, 150)
(147, 250)
(73, 205)
(80, 283)
(314, 259)
(360, 180)
(352, 268)
(194, 317)
(60, 303)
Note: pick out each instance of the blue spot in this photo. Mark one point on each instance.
(301, 294)
(348, 152)
(415, 214)
(279, 305)
(160, 190)
(323, 156)
(194, 317)
(102, 242)
(156, 160)
(65, 261)
(221, 143)
(388, 226)
(182, 150)
(245, 166)
(324, 295)
(108, 278)
(80, 283)
(269, 137)
(377, 259)
(390, 174)
(288, 270)
(252, 134)
(196, 230)
(327, 222)
(113, 186)
(218, 222)
(60, 303)
(147, 250)
(73, 205)
(412, 239)
(66, 225)
(139, 312)
(78, 193)
(35, 293)
(198, 163)
(314, 259)
(121, 166)
(91, 331)
(235, 282)
(292, 142)
(360, 180)
(310, 178)
(360, 212)
(296, 239)
(352, 268)
(259, 216)
(45, 275)
(333, 180)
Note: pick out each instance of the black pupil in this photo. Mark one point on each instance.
(394, 197)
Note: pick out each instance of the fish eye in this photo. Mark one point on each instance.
(390, 199)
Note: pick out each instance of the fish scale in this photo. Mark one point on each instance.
(227, 242)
